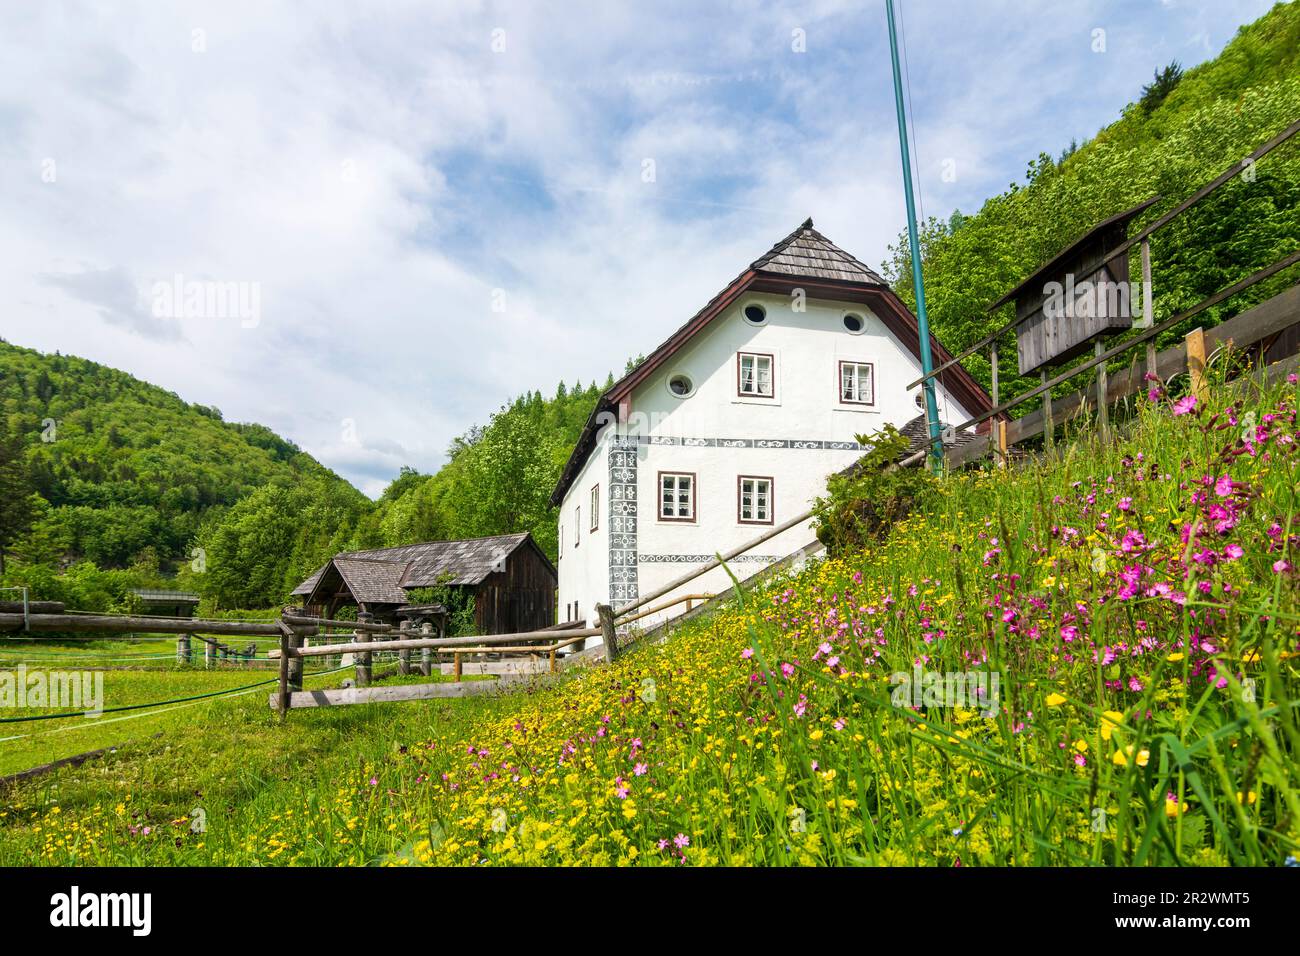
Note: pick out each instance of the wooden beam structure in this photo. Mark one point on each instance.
(126, 624)
(444, 643)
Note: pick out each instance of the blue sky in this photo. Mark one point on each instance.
(444, 205)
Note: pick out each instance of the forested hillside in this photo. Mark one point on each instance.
(105, 473)
(1181, 132)
(109, 483)
(497, 480)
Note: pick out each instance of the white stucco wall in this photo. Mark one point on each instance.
(807, 348)
(584, 560)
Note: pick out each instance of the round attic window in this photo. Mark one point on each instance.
(755, 314)
(680, 385)
(854, 324)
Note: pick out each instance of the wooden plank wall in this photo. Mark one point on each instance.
(520, 598)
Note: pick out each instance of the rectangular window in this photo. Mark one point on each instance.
(754, 375)
(857, 383)
(676, 497)
(754, 500)
(595, 507)
(577, 525)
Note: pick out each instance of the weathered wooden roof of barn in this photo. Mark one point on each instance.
(434, 562)
(373, 582)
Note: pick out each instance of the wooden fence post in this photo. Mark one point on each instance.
(1195, 344)
(1000, 442)
(426, 653)
(296, 664)
(456, 666)
(362, 661)
(1103, 389)
(363, 671)
(209, 652)
(1148, 305)
(404, 657)
(993, 365)
(608, 634)
(183, 649)
(1049, 439)
(285, 634)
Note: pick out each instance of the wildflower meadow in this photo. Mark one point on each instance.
(1121, 616)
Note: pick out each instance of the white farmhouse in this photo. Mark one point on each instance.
(735, 423)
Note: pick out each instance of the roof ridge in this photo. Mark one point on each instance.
(783, 243)
(356, 555)
(353, 557)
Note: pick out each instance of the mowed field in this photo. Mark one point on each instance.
(144, 691)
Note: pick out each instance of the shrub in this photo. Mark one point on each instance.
(865, 502)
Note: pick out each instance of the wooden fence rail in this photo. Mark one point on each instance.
(445, 643)
(125, 624)
(1251, 327)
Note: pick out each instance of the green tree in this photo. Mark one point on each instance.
(1161, 85)
(18, 502)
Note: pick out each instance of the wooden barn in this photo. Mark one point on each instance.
(1075, 299)
(512, 581)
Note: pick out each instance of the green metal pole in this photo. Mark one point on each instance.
(918, 284)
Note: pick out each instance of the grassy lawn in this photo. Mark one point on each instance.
(28, 744)
(1138, 603)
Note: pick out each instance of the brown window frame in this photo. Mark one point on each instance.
(771, 499)
(695, 497)
(594, 504)
(839, 383)
(771, 357)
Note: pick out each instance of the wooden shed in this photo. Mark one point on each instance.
(1076, 298)
(512, 581)
(155, 602)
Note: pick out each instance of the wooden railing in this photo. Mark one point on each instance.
(404, 640)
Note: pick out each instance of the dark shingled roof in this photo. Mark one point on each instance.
(918, 435)
(425, 565)
(806, 252)
(169, 597)
(373, 582)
